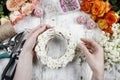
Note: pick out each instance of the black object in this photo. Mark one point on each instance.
(15, 45)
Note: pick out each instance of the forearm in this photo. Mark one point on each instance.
(24, 67)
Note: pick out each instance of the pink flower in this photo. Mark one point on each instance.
(81, 19)
(38, 12)
(90, 24)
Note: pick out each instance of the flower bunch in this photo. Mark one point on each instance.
(111, 46)
(20, 8)
(101, 13)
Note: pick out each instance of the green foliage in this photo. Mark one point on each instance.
(115, 5)
(3, 9)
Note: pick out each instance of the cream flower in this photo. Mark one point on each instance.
(42, 53)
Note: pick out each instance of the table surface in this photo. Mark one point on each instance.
(73, 71)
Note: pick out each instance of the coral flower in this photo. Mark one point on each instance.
(111, 17)
(12, 5)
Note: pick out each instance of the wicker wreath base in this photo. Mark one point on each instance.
(41, 52)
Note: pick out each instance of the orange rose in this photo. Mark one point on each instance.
(98, 8)
(102, 24)
(94, 17)
(92, 0)
(86, 6)
(111, 17)
(109, 30)
(108, 6)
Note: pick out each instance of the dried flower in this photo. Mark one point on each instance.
(90, 24)
(38, 12)
(81, 19)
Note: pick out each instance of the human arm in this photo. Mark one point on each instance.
(94, 56)
(24, 66)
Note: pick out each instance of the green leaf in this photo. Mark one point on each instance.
(1, 8)
(115, 8)
(113, 2)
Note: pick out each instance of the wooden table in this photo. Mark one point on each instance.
(73, 71)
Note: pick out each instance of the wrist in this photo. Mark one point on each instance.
(26, 53)
(98, 76)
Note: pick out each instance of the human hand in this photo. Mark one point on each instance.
(32, 38)
(94, 56)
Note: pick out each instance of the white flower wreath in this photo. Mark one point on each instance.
(42, 53)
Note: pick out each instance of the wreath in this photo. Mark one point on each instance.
(41, 52)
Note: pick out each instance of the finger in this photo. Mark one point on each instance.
(90, 42)
(36, 28)
(48, 27)
(84, 50)
(89, 47)
(33, 30)
(39, 31)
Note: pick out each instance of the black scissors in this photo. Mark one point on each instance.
(15, 45)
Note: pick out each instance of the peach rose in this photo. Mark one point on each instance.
(98, 8)
(111, 17)
(86, 6)
(20, 2)
(12, 5)
(102, 24)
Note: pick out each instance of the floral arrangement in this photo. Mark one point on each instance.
(101, 12)
(65, 58)
(111, 45)
(106, 14)
(16, 10)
